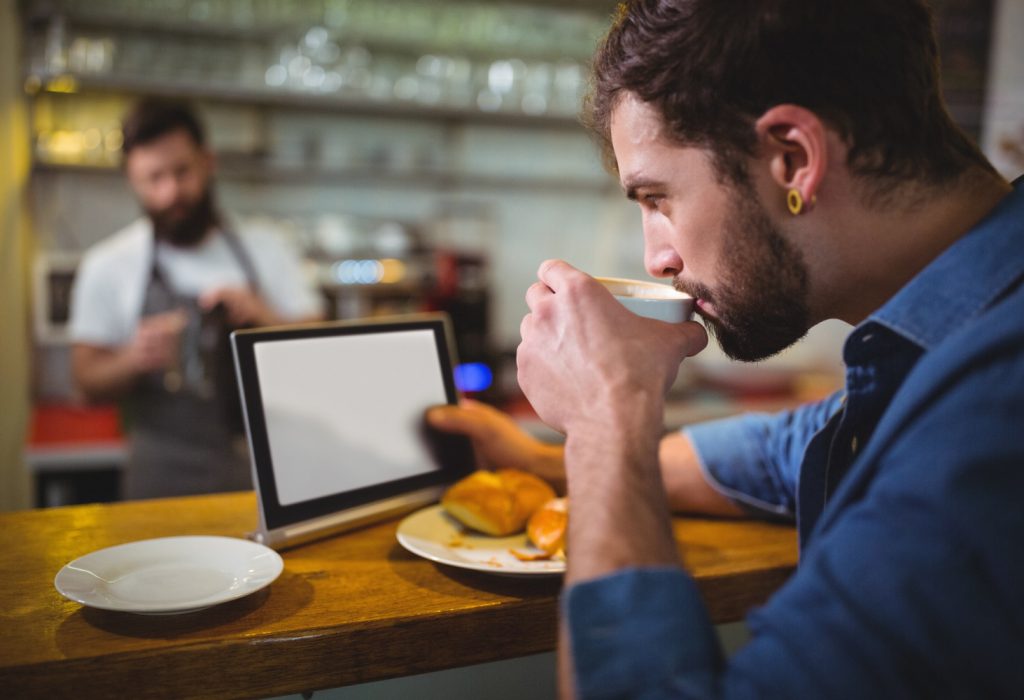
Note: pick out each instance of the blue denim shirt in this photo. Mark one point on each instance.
(906, 490)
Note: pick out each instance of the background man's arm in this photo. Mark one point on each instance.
(500, 442)
(104, 373)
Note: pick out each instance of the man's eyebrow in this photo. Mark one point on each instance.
(631, 184)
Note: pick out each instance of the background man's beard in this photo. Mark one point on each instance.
(185, 229)
(761, 306)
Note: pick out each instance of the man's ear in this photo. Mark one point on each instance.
(793, 141)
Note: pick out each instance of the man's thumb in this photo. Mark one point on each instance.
(695, 337)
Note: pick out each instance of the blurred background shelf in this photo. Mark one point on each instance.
(583, 21)
(452, 60)
(360, 177)
(293, 99)
(530, 28)
(441, 139)
(444, 136)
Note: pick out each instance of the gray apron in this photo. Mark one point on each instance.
(184, 425)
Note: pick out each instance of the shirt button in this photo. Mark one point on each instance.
(853, 445)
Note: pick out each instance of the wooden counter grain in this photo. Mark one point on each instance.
(349, 609)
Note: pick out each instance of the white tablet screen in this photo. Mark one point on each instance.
(344, 412)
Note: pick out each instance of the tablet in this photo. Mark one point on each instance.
(335, 418)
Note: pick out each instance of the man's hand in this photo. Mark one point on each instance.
(499, 442)
(244, 306)
(584, 356)
(155, 345)
(105, 373)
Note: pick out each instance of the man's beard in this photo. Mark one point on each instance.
(184, 226)
(761, 306)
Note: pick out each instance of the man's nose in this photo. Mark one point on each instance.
(660, 257)
(168, 191)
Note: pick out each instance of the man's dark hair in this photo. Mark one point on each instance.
(868, 68)
(152, 118)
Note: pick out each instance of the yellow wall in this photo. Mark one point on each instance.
(14, 265)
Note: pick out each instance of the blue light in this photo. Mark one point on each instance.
(473, 376)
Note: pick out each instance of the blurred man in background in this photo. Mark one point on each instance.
(153, 304)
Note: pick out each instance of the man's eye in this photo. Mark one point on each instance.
(652, 201)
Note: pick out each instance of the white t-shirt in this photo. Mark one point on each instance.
(110, 284)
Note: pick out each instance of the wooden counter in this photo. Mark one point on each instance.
(350, 609)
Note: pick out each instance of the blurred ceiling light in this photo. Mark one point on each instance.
(429, 65)
(392, 270)
(113, 140)
(407, 87)
(298, 66)
(358, 271)
(314, 77)
(315, 37)
(333, 81)
(473, 376)
(488, 101)
(501, 77)
(276, 75)
(62, 83)
(369, 272)
(65, 144)
(91, 139)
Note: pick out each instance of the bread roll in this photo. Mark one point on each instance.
(547, 526)
(496, 503)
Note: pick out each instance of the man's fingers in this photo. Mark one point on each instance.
(210, 298)
(524, 326)
(207, 300)
(555, 273)
(535, 293)
(161, 329)
(455, 419)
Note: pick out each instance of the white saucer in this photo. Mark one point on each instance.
(433, 534)
(169, 575)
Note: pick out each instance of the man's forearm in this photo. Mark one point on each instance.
(686, 485)
(103, 374)
(620, 515)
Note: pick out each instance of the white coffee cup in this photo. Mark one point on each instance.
(650, 299)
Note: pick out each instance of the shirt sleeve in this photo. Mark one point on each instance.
(755, 459)
(641, 633)
(914, 590)
(284, 281)
(94, 316)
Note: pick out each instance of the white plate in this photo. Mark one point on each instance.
(169, 575)
(433, 534)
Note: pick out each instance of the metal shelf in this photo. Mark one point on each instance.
(262, 30)
(294, 99)
(369, 177)
(177, 27)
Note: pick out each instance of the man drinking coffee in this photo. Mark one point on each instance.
(793, 162)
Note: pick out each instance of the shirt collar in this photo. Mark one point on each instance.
(964, 279)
